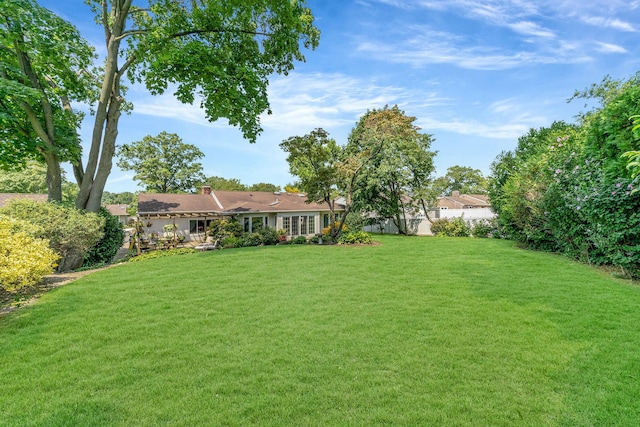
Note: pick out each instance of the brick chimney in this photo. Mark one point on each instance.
(455, 194)
(205, 190)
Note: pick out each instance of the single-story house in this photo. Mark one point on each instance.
(471, 207)
(192, 213)
(5, 198)
(120, 211)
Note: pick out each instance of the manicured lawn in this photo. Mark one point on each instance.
(415, 331)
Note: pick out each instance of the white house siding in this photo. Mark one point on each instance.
(182, 224)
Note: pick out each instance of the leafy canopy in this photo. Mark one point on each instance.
(163, 163)
(396, 164)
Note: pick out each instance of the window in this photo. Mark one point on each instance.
(325, 220)
(198, 225)
(299, 225)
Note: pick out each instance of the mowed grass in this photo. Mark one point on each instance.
(414, 331)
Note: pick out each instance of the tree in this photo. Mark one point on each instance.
(44, 66)
(395, 164)
(31, 179)
(163, 163)
(224, 184)
(264, 186)
(222, 52)
(124, 198)
(314, 158)
(463, 179)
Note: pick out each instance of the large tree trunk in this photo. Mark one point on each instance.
(54, 177)
(105, 128)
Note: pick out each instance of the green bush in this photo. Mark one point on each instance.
(252, 239)
(220, 229)
(355, 237)
(70, 232)
(232, 242)
(24, 259)
(106, 249)
(482, 228)
(450, 227)
(271, 236)
(300, 240)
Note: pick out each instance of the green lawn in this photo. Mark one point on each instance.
(414, 332)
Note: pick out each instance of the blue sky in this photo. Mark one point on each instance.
(476, 75)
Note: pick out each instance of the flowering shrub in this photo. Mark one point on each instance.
(327, 230)
(24, 259)
(567, 188)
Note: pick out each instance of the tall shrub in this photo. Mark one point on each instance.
(71, 232)
(107, 247)
(24, 259)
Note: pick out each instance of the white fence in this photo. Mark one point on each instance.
(422, 227)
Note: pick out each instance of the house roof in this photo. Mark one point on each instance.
(5, 198)
(176, 204)
(224, 202)
(263, 201)
(117, 210)
(464, 201)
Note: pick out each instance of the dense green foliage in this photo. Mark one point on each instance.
(396, 175)
(567, 188)
(450, 227)
(464, 179)
(45, 65)
(230, 234)
(484, 334)
(316, 159)
(355, 237)
(163, 163)
(234, 184)
(70, 232)
(107, 247)
(24, 258)
(221, 52)
(124, 198)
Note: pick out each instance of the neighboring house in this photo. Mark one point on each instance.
(120, 211)
(5, 198)
(192, 213)
(470, 207)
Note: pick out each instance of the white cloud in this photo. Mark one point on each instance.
(604, 22)
(531, 29)
(610, 48)
(304, 102)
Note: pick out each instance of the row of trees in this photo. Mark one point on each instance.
(568, 187)
(221, 52)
